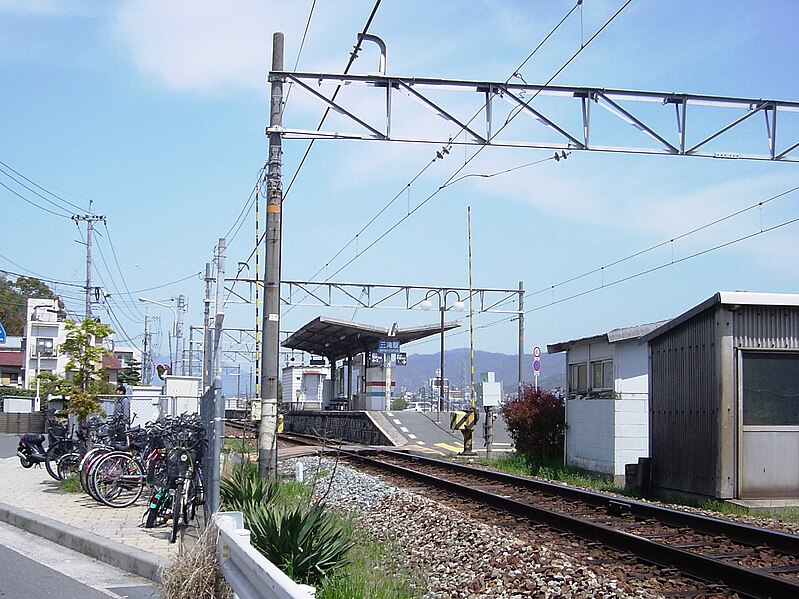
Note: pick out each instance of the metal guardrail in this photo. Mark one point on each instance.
(250, 574)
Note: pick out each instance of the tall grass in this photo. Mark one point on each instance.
(379, 571)
(552, 469)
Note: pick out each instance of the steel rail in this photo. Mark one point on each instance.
(742, 580)
(735, 531)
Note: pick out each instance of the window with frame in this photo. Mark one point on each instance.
(602, 375)
(578, 378)
(770, 388)
(44, 346)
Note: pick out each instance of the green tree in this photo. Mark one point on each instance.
(14, 297)
(131, 375)
(86, 377)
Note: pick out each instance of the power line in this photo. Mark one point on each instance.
(47, 191)
(191, 276)
(122, 276)
(439, 155)
(32, 203)
(353, 56)
(446, 149)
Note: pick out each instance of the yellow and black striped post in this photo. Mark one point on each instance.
(465, 423)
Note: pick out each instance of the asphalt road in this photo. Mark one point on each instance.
(8, 446)
(31, 567)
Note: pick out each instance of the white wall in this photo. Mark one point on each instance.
(631, 369)
(602, 435)
(590, 434)
(605, 434)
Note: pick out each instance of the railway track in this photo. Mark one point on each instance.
(729, 557)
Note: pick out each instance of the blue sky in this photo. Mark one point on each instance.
(156, 110)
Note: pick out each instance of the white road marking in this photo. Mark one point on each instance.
(404, 429)
(411, 436)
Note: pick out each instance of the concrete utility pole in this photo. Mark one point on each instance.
(521, 338)
(206, 368)
(145, 364)
(90, 220)
(179, 349)
(267, 433)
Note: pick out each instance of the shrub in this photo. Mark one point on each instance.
(244, 489)
(306, 543)
(536, 422)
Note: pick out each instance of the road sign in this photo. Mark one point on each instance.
(537, 352)
(536, 365)
(401, 359)
(388, 346)
(2, 333)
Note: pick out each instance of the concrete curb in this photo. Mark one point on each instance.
(124, 557)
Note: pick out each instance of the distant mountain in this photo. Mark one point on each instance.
(422, 367)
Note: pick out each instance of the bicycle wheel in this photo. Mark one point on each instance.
(118, 480)
(89, 461)
(157, 508)
(55, 451)
(189, 502)
(67, 465)
(177, 510)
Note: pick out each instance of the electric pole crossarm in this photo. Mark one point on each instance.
(573, 128)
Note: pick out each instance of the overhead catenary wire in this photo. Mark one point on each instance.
(353, 56)
(453, 177)
(424, 169)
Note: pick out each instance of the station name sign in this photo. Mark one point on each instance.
(388, 346)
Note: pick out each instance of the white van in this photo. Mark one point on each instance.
(420, 406)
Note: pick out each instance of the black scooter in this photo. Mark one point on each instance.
(31, 450)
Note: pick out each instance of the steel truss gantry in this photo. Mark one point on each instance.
(330, 294)
(572, 128)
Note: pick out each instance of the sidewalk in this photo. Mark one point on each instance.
(30, 499)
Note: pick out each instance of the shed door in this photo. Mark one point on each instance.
(769, 465)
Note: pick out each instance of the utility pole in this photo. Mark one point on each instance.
(179, 349)
(145, 364)
(521, 338)
(218, 414)
(90, 220)
(267, 433)
(206, 369)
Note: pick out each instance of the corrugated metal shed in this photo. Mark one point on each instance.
(694, 386)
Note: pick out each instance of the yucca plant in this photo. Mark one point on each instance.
(306, 543)
(244, 489)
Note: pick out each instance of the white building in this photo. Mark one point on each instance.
(304, 387)
(44, 333)
(607, 407)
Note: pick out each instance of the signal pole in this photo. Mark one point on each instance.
(90, 220)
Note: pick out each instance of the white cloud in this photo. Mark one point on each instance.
(201, 45)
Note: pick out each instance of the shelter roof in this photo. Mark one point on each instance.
(336, 339)
(613, 336)
(727, 298)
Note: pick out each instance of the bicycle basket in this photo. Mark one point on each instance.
(178, 464)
